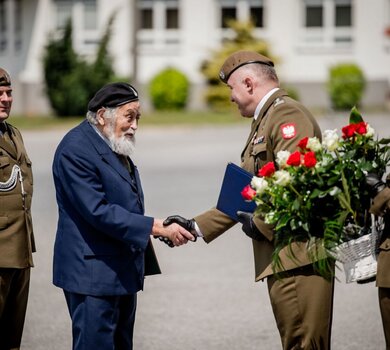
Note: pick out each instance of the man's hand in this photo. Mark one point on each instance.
(375, 184)
(173, 235)
(248, 226)
(188, 224)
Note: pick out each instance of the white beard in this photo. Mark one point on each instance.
(121, 145)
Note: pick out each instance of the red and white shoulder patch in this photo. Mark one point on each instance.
(288, 130)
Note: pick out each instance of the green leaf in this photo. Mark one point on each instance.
(355, 117)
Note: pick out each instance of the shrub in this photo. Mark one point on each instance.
(346, 85)
(169, 90)
(217, 95)
(71, 81)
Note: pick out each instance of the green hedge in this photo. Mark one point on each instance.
(346, 85)
(169, 90)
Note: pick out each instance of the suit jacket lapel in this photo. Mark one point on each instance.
(8, 147)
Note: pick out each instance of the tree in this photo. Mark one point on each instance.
(217, 96)
(70, 80)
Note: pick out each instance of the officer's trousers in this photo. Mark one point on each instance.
(302, 303)
(14, 287)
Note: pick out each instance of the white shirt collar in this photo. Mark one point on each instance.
(263, 101)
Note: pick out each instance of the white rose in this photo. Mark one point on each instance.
(314, 144)
(259, 184)
(370, 131)
(282, 177)
(281, 158)
(330, 139)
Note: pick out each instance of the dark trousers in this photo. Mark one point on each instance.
(384, 304)
(14, 287)
(302, 303)
(102, 322)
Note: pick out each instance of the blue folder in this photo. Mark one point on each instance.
(230, 199)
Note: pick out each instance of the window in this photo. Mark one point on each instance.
(146, 18)
(227, 14)
(90, 15)
(18, 25)
(257, 16)
(314, 14)
(242, 10)
(172, 18)
(64, 12)
(343, 13)
(3, 27)
(327, 23)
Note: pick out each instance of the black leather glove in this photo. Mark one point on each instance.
(248, 226)
(166, 240)
(375, 184)
(188, 224)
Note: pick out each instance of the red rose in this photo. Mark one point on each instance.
(303, 143)
(267, 170)
(248, 193)
(348, 131)
(361, 128)
(294, 159)
(309, 159)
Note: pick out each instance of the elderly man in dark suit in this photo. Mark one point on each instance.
(103, 249)
(16, 233)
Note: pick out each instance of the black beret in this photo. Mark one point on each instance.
(239, 59)
(5, 79)
(113, 95)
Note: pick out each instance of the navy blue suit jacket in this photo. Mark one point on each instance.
(102, 234)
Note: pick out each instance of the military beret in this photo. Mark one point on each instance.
(239, 59)
(5, 79)
(113, 95)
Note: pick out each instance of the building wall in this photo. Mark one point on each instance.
(300, 63)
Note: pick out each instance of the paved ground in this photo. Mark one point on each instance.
(206, 298)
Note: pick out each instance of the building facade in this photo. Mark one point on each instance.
(307, 37)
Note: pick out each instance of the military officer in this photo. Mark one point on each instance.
(381, 207)
(302, 300)
(16, 232)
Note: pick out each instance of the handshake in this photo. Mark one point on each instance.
(181, 230)
(176, 231)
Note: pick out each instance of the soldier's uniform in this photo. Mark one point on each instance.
(302, 301)
(381, 207)
(16, 233)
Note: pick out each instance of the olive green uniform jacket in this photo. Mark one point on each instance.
(281, 124)
(381, 207)
(16, 189)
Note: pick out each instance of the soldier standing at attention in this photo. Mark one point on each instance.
(301, 299)
(16, 233)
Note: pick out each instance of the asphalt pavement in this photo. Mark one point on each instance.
(206, 298)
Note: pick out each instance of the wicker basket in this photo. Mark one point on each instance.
(359, 256)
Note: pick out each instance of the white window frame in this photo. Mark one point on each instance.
(327, 37)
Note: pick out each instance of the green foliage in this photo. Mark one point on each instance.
(169, 90)
(217, 95)
(71, 81)
(346, 85)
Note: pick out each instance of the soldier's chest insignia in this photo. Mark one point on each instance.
(278, 102)
(258, 140)
(288, 130)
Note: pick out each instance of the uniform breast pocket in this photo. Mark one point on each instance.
(5, 170)
(259, 153)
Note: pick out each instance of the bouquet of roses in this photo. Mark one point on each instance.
(318, 194)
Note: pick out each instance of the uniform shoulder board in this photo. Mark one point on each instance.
(278, 101)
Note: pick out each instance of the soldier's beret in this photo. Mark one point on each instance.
(239, 59)
(113, 95)
(5, 79)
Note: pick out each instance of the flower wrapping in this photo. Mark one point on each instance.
(319, 194)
